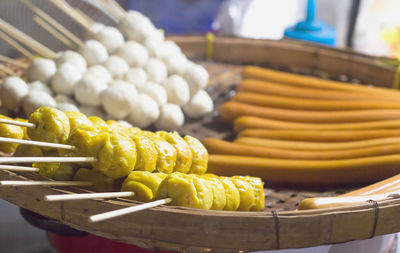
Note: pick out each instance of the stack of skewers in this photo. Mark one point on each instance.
(129, 72)
(109, 157)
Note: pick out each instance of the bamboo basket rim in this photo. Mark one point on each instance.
(270, 228)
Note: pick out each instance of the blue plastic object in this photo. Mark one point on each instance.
(312, 30)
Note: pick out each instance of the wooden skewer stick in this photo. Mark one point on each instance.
(36, 143)
(17, 123)
(128, 210)
(110, 10)
(13, 62)
(117, 7)
(16, 46)
(67, 9)
(27, 40)
(18, 168)
(44, 183)
(7, 70)
(80, 196)
(89, 20)
(52, 22)
(47, 159)
(54, 32)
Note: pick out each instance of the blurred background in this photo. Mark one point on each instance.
(367, 26)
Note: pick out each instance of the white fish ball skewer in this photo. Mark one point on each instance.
(200, 104)
(156, 70)
(100, 72)
(116, 66)
(94, 29)
(87, 91)
(38, 85)
(74, 58)
(155, 48)
(197, 77)
(94, 52)
(134, 54)
(145, 111)
(118, 100)
(171, 117)
(177, 90)
(13, 90)
(136, 76)
(65, 79)
(155, 91)
(111, 38)
(35, 99)
(41, 69)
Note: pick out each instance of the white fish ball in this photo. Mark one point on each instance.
(124, 123)
(94, 52)
(95, 28)
(74, 58)
(176, 64)
(100, 72)
(200, 104)
(136, 76)
(87, 91)
(140, 30)
(197, 77)
(171, 117)
(118, 100)
(177, 90)
(171, 48)
(41, 69)
(92, 111)
(38, 85)
(156, 70)
(61, 98)
(155, 91)
(134, 54)
(145, 111)
(155, 47)
(126, 24)
(65, 79)
(13, 90)
(111, 38)
(67, 107)
(36, 99)
(116, 66)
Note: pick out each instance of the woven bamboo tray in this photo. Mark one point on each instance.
(279, 226)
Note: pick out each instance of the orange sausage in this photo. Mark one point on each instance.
(263, 87)
(300, 145)
(307, 173)
(215, 146)
(251, 72)
(249, 122)
(322, 136)
(310, 104)
(229, 111)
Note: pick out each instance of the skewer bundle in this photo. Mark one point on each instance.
(109, 157)
(127, 73)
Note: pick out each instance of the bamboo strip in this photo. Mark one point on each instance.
(80, 196)
(128, 210)
(47, 159)
(16, 46)
(13, 62)
(18, 168)
(53, 22)
(36, 143)
(44, 183)
(67, 9)
(54, 32)
(17, 123)
(7, 70)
